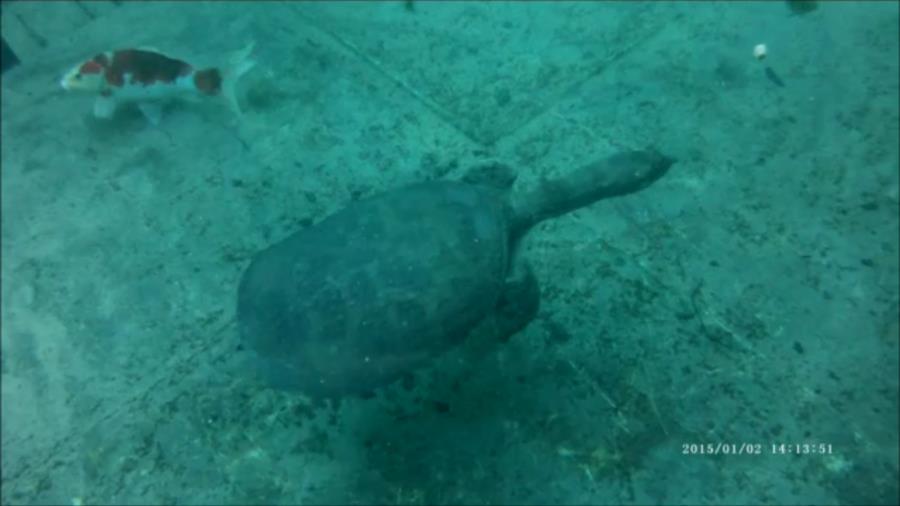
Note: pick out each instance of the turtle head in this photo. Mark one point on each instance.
(619, 174)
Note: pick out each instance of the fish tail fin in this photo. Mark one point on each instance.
(239, 64)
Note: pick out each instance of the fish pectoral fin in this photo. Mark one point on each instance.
(104, 107)
(239, 64)
(151, 111)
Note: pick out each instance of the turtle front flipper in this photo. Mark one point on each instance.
(519, 302)
(517, 306)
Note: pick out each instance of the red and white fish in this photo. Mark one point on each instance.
(148, 77)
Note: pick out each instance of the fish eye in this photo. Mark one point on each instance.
(77, 77)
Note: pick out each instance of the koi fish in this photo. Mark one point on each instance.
(146, 77)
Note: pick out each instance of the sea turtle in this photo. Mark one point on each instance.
(376, 290)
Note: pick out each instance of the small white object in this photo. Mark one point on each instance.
(759, 51)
